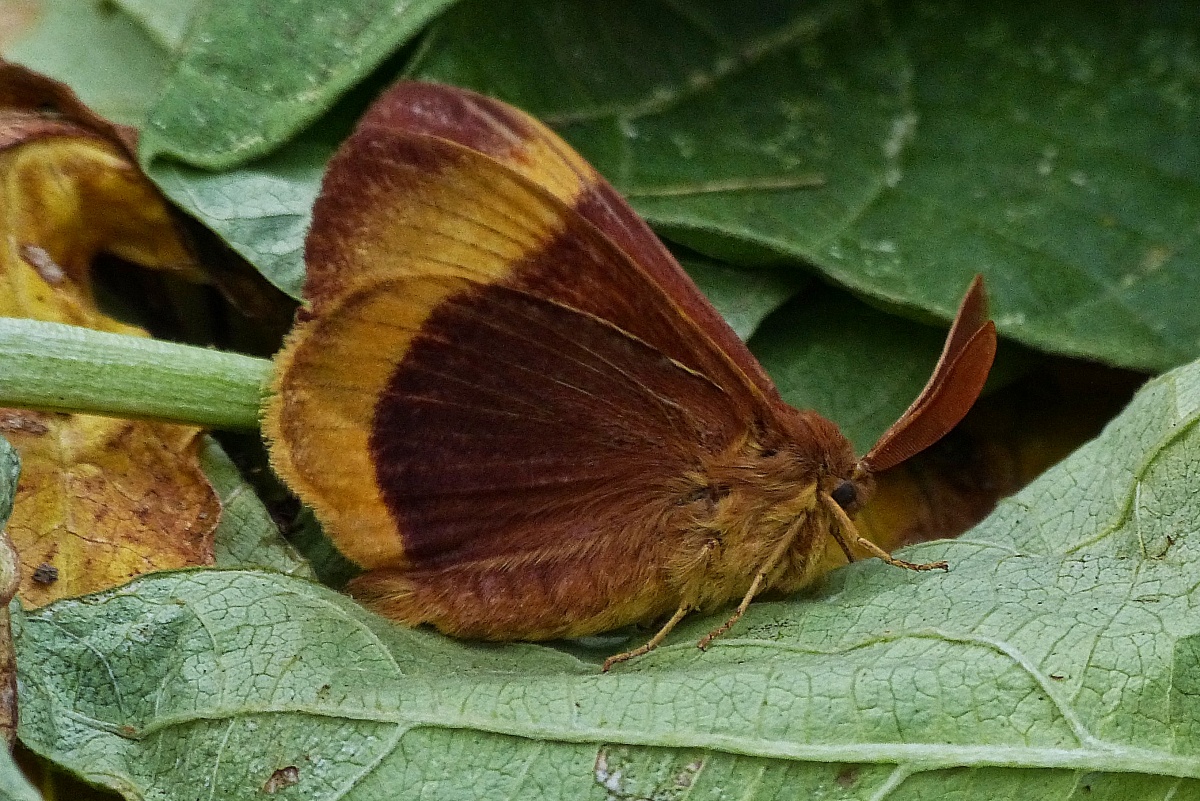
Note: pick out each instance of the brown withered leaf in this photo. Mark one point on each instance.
(99, 500)
(9, 576)
(10, 470)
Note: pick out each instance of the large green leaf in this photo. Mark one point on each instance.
(246, 536)
(855, 365)
(101, 53)
(1059, 658)
(166, 21)
(1053, 148)
(251, 75)
(743, 297)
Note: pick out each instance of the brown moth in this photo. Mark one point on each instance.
(508, 403)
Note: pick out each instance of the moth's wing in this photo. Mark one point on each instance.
(433, 418)
(492, 375)
(956, 382)
(524, 145)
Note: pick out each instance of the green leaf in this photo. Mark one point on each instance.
(252, 75)
(856, 365)
(1139, 496)
(1058, 656)
(119, 71)
(247, 536)
(10, 471)
(165, 20)
(1052, 148)
(262, 210)
(13, 784)
(743, 297)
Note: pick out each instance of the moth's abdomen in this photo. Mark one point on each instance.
(540, 601)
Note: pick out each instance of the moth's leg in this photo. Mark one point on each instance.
(844, 528)
(760, 579)
(701, 559)
(844, 544)
(654, 642)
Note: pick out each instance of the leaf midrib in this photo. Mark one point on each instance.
(1099, 756)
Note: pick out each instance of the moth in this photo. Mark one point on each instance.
(507, 402)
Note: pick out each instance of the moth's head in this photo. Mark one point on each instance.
(818, 451)
(853, 492)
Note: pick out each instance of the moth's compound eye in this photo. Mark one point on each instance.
(844, 494)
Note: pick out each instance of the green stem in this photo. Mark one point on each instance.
(63, 368)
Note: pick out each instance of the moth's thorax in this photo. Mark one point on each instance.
(761, 489)
(773, 468)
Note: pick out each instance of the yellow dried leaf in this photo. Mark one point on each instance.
(102, 500)
(63, 201)
(99, 500)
